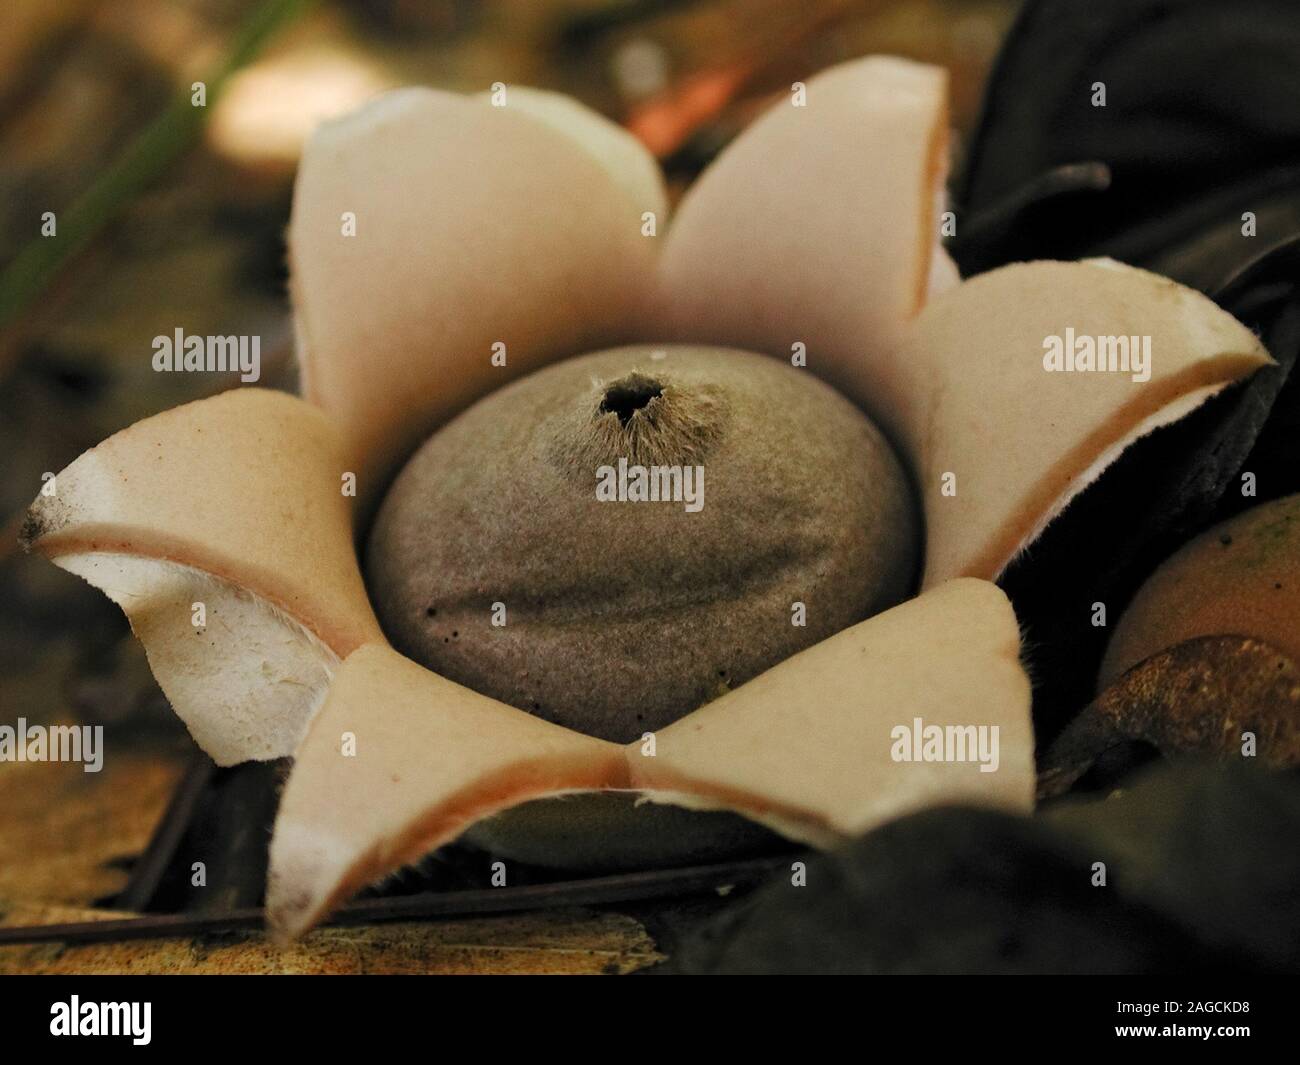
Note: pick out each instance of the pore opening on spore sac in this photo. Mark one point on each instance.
(628, 395)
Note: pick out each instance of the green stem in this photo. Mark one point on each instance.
(156, 148)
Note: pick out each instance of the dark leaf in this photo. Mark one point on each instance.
(1200, 124)
(1200, 866)
(1213, 847)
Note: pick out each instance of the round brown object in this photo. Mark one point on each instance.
(1239, 578)
(622, 616)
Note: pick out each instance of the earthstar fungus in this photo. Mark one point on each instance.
(523, 225)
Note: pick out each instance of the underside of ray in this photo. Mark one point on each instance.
(1025, 383)
(244, 677)
(441, 245)
(818, 227)
(222, 530)
(808, 748)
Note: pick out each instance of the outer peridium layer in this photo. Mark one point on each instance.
(441, 246)
(823, 746)
(817, 229)
(400, 761)
(225, 525)
(1001, 440)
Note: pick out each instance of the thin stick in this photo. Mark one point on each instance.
(596, 891)
(167, 836)
(163, 141)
